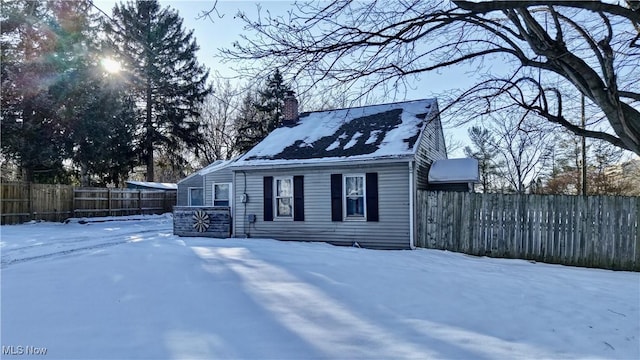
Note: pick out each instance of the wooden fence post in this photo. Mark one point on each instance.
(109, 201)
(31, 217)
(73, 204)
(140, 201)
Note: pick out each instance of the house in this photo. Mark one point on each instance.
(211, 186)
(346, 176)
(205, 202)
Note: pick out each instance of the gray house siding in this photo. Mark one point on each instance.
(183, 188)
(224, 175)
(431, 147)
(391, 231)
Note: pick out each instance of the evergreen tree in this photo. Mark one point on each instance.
(104, 135)
(160, 58)
(271, 101)
(32, 132)
(607, 174)
(53, 89)
(100, 117)
(249, 124)
(261, 114)
(485, 152)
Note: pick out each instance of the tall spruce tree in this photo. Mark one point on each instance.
(56, 102)
(260, 116)
(271, 101)
(169, 84)
(32, 133)
(93, 104)
(248, 123)
(104, 134)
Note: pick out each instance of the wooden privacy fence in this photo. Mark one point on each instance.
(593, 231)
(90, 202)
(21, 202)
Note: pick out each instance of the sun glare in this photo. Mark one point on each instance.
(110, 65)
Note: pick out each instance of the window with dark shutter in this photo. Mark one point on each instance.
(298, 198)
(354, 196)
(283, 197)
(268, 198)
(372, 196)
(336, 197)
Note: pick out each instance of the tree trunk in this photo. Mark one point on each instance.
(150, 135)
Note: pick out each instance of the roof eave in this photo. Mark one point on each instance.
(275, 164)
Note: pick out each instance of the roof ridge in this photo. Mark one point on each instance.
(366, 106)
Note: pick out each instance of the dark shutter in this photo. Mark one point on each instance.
(336, 197)
(268, 198)
(372, 196)
(298, 198)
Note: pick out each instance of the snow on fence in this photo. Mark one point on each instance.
(593, 231)
(21, 202)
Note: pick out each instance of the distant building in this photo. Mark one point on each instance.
(145, 185)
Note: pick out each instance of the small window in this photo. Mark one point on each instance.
(196, 197)
(284, 197)
(354, 196)
(222, 194)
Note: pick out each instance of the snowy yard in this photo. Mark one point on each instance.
(132, 290)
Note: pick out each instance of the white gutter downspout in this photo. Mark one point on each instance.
(204, 190)
(411, 209)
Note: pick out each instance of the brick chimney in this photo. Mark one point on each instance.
(290, 113)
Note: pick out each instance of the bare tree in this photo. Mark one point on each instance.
(218, 113)
(608, 173)
(524, 147)
(542, 46)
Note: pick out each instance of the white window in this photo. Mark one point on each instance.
(222, 194)
(196, 197)
(283, 194)
(354, 196)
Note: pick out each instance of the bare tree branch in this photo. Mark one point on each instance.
(387, 45)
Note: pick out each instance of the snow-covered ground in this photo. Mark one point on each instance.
(132, 290)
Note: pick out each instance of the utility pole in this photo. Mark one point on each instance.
(584, 151)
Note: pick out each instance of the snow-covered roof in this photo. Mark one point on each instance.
(214, 166)
(361, 133)
(449, 171)
(154, 185)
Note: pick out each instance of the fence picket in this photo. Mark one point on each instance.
(595, 231)
(22, 202)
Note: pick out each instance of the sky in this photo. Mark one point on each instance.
(221, 31)
(223, 28)
(120, 288)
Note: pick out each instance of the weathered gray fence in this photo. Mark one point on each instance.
(89, 202)
(21, 202)
(594, 231)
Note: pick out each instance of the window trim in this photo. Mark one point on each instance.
(213, 192)
(275, 198)
(344, 197)
(189, 195)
